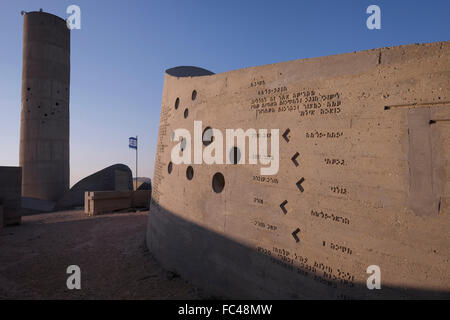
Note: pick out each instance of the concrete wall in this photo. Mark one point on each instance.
(117, 177)
(10, 191)
(98, 202)
(44, 130)
(364, 178)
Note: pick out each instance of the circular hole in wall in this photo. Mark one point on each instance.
(194, 95)
(218, 182)
(186, 113)
(169, 168)
(235, 155)
(183, 144)
(177, 103)
(57, 104)
(189, 173)
(207, 136)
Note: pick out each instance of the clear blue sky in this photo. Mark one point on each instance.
(120, 54)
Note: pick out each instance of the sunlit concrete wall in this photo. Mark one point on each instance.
(364, 178)
(44, 134)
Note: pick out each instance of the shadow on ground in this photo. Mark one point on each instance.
(109, 249)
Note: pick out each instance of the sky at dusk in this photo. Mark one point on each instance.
(119, 56)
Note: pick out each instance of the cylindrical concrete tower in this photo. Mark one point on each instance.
(44, 130)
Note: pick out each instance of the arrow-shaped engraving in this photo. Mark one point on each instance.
(294, 159)
(299, 184)
(294, 234)
(282, 206)
(285, 134)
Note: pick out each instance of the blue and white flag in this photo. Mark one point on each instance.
(133, 143)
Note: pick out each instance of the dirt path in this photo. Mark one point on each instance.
(109, 249)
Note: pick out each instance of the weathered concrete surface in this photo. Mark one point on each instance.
(44, 128)
(1, 216)
(109, 249)
(10, 190)
(35, 206)
(99, 202)
(145, 186)
(363, 180)
(117, 177)
(141, 181)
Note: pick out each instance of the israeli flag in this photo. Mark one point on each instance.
(133, 143)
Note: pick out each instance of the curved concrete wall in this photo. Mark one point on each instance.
(364, 178)
(117, 177)
(44, 133)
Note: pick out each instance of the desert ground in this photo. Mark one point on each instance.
(109, 249)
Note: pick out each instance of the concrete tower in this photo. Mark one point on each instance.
(44, 129)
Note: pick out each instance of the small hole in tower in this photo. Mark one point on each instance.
(207, 136)
(177, 103)
(183, 144)
(186, 113)
(169, 168)
(194, 95)
(189, 173)
(218, 182)
(235, 155)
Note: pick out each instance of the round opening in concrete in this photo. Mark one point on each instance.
(177, 103)
(207, 136)
(186, 113)
(169, 168)
(218, 182)
(183, 144)
(194, 95)
(189, 173)
(235, 155)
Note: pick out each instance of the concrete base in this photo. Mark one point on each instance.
(99, 202)
(1, 217)
(10, 193)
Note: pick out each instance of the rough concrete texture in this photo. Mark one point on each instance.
(35, 206)
(10, 191)
(145, 186)
(363, 180)
(117, 177)
(1, 216)
(141, 181)
(44, 129)
(109, 249)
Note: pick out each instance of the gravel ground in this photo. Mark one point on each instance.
(109, 249)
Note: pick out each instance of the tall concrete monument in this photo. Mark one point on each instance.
(362, 191)
(44, 132)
